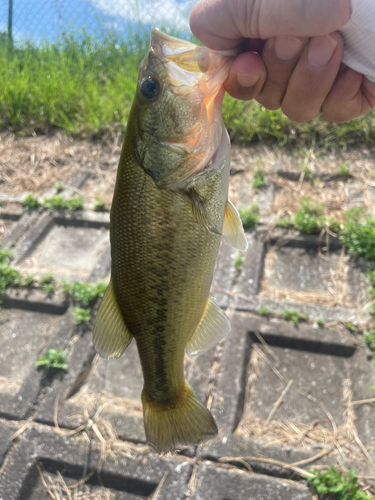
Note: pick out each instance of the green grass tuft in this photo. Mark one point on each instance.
(8, 275)
(343, 169)
(249, 215)
(264, 311)
(337, 486)
(53, 359)
(258, 180)
(238, 262)
(84, 293)
(308, 219)
(358, 233)
(370, 339)
(294, 316)
(31, 202)
(81, 315)
(99, 205)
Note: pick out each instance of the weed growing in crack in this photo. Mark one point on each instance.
(335, 485)
(53, 359)
(250, 215)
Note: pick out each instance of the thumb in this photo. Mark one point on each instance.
(223, 24)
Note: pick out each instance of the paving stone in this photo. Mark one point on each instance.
(114, 385)
(320, 361)
(6, 226)
(67, 251)
(6, 431)
(236, 485)
(314, 312)
(224, 275)
(23, 337)
(127, 478)
(252, 268)
(305, 275)
(34, 299)
(19, 230)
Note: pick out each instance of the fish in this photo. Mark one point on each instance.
(169, 213)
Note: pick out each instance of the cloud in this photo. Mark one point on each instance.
(156, 12)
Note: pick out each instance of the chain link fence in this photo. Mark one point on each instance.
(38, 20)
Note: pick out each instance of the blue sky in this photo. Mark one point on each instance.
(36, 19)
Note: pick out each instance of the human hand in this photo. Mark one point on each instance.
(292, 57)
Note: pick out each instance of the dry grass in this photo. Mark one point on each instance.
(33, 164)
(58, 489)
(340, 443)
(333, 271)
(333, 196)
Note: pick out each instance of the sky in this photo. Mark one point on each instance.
(45, 19)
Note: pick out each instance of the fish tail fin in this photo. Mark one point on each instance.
(186, 422)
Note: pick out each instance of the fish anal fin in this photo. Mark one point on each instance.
(233, 232)
(213, 327)
(110, 336)
(200, 211)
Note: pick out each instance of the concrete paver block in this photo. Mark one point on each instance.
(67, 251)
(236, 485)
(126, 478)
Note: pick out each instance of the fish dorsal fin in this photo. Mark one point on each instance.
(200, 211)
(111, 336)
(233, 232)
(214, 326)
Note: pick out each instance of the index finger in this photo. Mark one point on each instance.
(223, 24)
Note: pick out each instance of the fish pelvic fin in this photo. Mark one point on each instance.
(186, 422)
(234, 235)
(213, 327)
(110, 336)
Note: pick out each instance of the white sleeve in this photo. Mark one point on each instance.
(359, 38)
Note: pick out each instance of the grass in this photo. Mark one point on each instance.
(343, 169)
(350, 327)
(238, 262)
(250, 215)
(56, 202)
(358, 234)
(31, 202)
(84, 84)
(294, 316)
(53, 359)
(81, 315)
(264, 311)
(370, 339)
(59, 203)
(100, 205)
(8, 275)
(84, 293)
(258, 180)
(337, 486)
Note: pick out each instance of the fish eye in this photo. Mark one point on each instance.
(150, 88)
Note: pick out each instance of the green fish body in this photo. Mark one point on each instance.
(168, 215)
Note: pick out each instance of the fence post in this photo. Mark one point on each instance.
(10, 23)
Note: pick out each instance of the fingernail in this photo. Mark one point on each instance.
(320, 51)
(287, 47)
(247, 79)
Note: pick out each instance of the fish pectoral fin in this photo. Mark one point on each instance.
(111, 336)
(233, 232)
(200, 211)
(213, 327)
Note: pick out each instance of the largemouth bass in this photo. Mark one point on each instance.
(169, 213)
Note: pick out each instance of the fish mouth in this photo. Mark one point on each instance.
(189, 65)
(190, 69)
